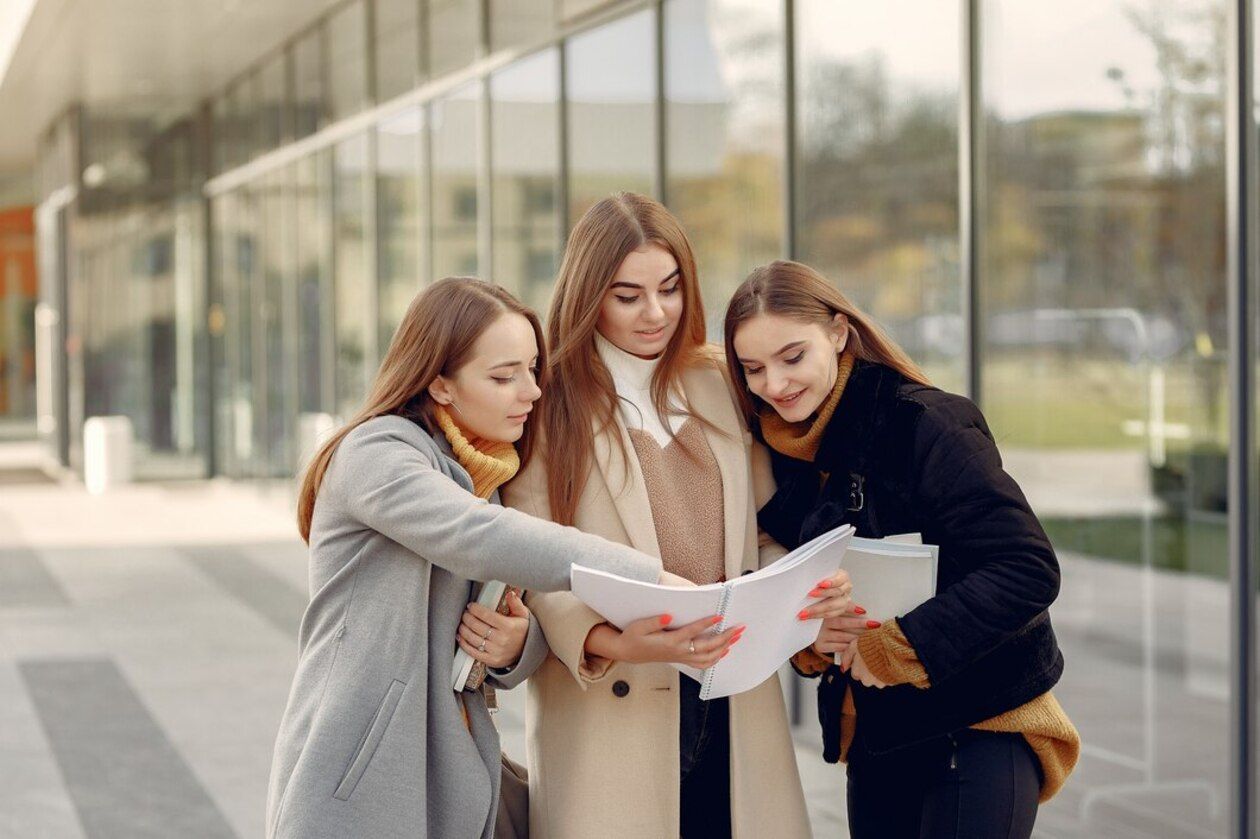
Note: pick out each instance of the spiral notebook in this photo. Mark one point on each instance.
(766, 601)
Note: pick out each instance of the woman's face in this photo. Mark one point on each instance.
(492, 394)
(643, 305)
(789, 363)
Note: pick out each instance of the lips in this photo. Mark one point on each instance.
(655, 333)
(789, 400)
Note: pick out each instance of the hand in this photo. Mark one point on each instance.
(503, 636)
(649, 639)
(668, 579)
(852, 662)
(833, 596)
(836, 634)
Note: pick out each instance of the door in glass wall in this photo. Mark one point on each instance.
(1104, 380)
(401, 252)
(275, 338)
(877, 90)
(610, 78)
(241, 273)
(724, 113)
(352, 277)
(456, 156)
(525, 166)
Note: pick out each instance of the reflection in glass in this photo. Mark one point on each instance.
(456, 152)
(313, 235)
(724, 138)
(310, 99)
(347, 61)
(610, 75)
(1104, 381)
(877, 167)
(525, 143)
(399, 217)
(351, 278)
(454, 35)
(397, 47)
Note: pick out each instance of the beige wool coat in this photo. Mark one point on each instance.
(603, 738)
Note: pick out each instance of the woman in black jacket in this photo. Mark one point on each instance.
(944, 714)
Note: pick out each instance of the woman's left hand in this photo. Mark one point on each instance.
(834, 594)
(853, 663)
(494, 638)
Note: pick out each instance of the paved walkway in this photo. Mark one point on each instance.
(147, 640)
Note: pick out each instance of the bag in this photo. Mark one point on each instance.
(512, 822)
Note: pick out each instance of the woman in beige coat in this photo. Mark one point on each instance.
(643, 445)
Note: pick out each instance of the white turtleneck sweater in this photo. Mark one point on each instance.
(632, 377)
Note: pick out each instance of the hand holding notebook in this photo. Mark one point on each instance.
(767, 602)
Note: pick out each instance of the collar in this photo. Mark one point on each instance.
(801, 440)
(490, 464)
(627, 369)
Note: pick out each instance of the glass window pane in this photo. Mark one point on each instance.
(275, 395)
(273, 108)
(309, 96)
(724, 92)
(611, 79)
(399, 216)
(515, 22)
(1104, 381)
(525, 121)
(247, 140)
(456, 153)
(454, 35)
(351, 272)
(347, 61)
(316, 349)
(397, 47)
(877, 158)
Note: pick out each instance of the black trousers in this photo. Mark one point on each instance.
(968, 785)
(704, 748)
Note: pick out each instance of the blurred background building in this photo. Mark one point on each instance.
(233, 202)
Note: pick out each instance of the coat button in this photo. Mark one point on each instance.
(620, 688)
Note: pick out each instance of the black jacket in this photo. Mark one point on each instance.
(906, 458)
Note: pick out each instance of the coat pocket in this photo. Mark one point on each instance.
(371, 739)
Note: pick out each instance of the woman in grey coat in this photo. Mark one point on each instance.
(374, 741)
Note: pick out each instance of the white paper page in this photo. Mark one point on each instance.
(623, 601)
(768, 603)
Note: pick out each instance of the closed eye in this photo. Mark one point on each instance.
(796, 358)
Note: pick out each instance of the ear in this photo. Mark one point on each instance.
(839, 331)
(440, 391)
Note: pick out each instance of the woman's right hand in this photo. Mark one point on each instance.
(651, 639)
(836, 634)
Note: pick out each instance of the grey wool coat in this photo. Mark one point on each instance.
(373, 741)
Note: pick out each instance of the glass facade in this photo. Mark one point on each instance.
(1031, 199)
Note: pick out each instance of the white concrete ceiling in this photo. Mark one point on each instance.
(127, 53)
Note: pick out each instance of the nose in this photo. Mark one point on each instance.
(654, 309)
(776, 383)
(532, 391)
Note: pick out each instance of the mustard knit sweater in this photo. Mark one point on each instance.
(889, 655)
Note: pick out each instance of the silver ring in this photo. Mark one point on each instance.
(482, 648)
(488, 631)
(691, 647)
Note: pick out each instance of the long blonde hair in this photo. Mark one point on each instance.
(796, 291)
(581, 392)
(436, 338)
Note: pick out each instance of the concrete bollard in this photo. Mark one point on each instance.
(107, 460)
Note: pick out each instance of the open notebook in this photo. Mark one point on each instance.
(766, 601)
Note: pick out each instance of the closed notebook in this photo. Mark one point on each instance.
(891, 576)
(766, 602)
(466, 672)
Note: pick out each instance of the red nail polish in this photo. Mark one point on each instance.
(716, 620)
(816, 592)
(665, 619)
(858, 610)
(804, 614)
(872, 624)
(825, 584)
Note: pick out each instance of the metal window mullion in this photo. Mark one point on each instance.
(372, 297)
(562, 151)
(790, 161)
(970, 139)
(661, 174)
(1241, 276)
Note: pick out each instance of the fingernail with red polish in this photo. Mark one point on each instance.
(665, 619)
(804, 614)
(716, 620)
(816, 592)
(825, 584)
(858, 610)
(872, 624)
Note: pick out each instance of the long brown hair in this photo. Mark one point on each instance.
(582, 391)
(435, 338)
(797, 291)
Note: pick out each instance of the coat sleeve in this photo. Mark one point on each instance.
(565, 620)
(388, 485)
(531, 659)
(972, 508)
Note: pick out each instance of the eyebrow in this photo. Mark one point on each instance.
(780, 351)
(509, 364)
(666, 279)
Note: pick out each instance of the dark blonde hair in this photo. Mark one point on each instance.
(582, 391)
(794, 290)
(436, 338)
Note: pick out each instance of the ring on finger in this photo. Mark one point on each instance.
(691, 647)
(482, 647)
(488, 631)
